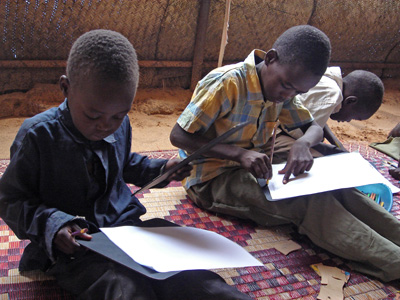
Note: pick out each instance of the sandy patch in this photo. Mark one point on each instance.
(155, 112)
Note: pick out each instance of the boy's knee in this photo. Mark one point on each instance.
(118, 282)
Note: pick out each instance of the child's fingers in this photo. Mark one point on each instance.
(310, 164)
(65, 242)
(286, 177)
(82, 233)
(85, 236)
(300, 168)
(79, 232)
(287, 170)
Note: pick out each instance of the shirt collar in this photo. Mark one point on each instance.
(335, 73)
(253, 81)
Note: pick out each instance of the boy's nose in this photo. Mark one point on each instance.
(104, 125)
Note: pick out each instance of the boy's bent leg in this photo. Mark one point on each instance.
(94, 277)
(197, 285)
(321, 217)
(332, 227)
(91, 276)
(370, 213)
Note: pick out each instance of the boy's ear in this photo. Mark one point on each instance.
(350, 100)
(271, 56)
(64, 85)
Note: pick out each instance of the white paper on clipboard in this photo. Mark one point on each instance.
(328, 173)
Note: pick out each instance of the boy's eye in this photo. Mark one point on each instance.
(92, 117)
(285, 86)
(118, 117)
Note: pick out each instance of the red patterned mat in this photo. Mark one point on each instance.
(282, 277)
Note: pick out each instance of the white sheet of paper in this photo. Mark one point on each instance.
(167, 249)
(328, 173)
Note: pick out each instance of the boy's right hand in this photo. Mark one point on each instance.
(180, 174)
(299, 161)
(257, 164)
(65, 240)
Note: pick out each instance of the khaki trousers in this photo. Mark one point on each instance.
(344, 222)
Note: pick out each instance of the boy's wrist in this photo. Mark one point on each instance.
(302, 143)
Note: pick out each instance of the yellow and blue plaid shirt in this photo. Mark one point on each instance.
(228, 96)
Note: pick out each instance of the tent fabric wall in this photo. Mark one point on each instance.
(364, 33)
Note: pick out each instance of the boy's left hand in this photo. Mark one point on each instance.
(299, 161)
(180, 174)
(65, 241)
(395, 173)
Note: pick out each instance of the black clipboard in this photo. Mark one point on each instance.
(102, 245)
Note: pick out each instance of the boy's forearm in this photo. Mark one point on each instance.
(55, 221)
(192, 142)
(330, 136)
(312, 136)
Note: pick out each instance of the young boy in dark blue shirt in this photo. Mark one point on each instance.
(68, 170)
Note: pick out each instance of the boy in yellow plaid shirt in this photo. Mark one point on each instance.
(262, 90)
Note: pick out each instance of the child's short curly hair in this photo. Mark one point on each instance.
(103, 53)
(305, 45)
(368, 88)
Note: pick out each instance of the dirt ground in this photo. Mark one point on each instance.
(155, 112)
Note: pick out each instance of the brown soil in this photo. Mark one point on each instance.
(155, 112)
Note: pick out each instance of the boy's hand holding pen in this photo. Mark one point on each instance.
(65, 238)
(79, 232)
